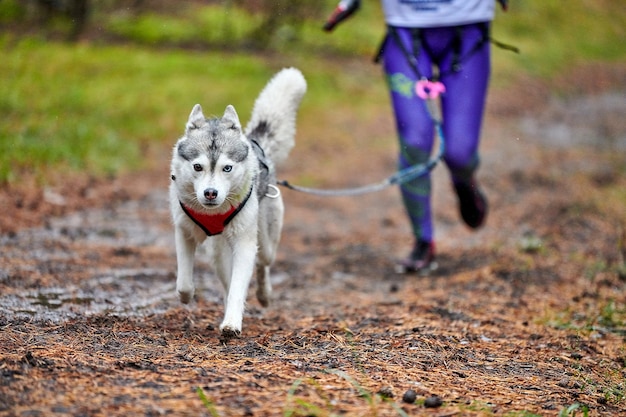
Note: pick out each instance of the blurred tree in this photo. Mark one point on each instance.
(283, 19)
(75, 11)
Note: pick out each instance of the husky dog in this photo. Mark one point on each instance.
(224, 187)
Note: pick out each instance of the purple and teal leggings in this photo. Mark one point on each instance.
(462, 106)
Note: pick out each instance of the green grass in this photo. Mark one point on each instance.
(212, 24)
(100, 109)
(554, 36)
(94, 109)
(208, 404)
(573, 410)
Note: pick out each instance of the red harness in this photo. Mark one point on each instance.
(214, 224)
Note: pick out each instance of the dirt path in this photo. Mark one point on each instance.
(526, 315)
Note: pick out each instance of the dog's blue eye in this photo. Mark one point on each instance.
(197, 167)
(227, 168)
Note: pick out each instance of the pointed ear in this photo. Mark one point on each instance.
(231, 117)
(196, 118)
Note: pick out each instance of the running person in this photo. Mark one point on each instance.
(448, 42)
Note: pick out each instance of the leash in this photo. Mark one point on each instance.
(427, 90)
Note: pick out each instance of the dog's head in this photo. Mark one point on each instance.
(211, 163)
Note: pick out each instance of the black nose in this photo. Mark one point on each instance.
(210, 193)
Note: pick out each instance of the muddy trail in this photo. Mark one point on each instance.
(524, 317)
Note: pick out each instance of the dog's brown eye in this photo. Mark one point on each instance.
(197, 167)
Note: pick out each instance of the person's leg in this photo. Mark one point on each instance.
(463, 104)
(415, 133)
(463, 107)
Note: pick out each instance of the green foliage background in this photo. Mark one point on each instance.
(109, 102)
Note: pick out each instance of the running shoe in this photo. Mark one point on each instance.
(472, 203)
(421, 259)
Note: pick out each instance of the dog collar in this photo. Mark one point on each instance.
(214, 224)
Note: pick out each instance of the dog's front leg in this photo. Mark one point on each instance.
(271, 214)
(241, 274)
(185, 252)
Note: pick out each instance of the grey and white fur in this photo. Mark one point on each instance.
(217, 167)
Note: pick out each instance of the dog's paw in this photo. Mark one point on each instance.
(185, 296)
(263, 296)
(229, 333)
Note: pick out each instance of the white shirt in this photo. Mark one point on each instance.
(433, 13)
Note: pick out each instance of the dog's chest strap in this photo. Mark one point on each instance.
(214, 224)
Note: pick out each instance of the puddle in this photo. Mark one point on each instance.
(52, 301)
(131, 293)
(79, 265)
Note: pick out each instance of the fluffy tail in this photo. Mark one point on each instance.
(273, 121)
